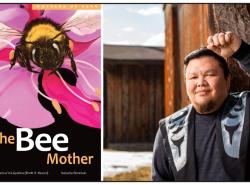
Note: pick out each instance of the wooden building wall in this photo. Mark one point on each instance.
(186, 29)
(134, 102)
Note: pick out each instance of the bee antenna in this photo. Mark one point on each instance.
(62, 32)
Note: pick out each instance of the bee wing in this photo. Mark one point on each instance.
(83, 22)
(8, 34)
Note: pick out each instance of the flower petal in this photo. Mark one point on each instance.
(33, 14)
(9, 6)
(86, 113)
(88, 69)
(19, 103)
(80, 47)
(4, 54)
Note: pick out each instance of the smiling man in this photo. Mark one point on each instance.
(209, 139)
(207, 80)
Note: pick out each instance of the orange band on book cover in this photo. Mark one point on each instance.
(66, 6)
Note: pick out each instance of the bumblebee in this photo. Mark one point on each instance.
(44, 43)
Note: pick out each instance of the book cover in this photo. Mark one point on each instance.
(50, 92)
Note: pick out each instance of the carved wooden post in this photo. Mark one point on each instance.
(235, 18)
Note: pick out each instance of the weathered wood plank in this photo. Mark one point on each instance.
(133, 100)
(170, 58)
(186, 30)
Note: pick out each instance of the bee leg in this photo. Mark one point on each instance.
(42, 71)
(12, 63)
(73, 64)
(14, 59)
(29, 67)
(26, 63)
(56, 68)
(11, 54)
(17, 57)
(23, 62)
(35, 71)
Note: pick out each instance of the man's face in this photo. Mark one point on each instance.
(206, 85)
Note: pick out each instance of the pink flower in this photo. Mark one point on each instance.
(19, 90)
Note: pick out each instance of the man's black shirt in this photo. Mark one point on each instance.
(209, 164)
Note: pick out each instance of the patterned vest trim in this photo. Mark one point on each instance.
(232, 125)
(177, 129)
(179, 135)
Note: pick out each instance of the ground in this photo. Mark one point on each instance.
(126, 166)
(141, 174)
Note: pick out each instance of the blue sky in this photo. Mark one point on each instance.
(133, 24)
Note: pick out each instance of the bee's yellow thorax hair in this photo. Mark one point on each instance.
(43, 30)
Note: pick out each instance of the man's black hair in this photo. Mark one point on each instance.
(207, 52)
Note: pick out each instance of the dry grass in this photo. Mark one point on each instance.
(142, 174)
